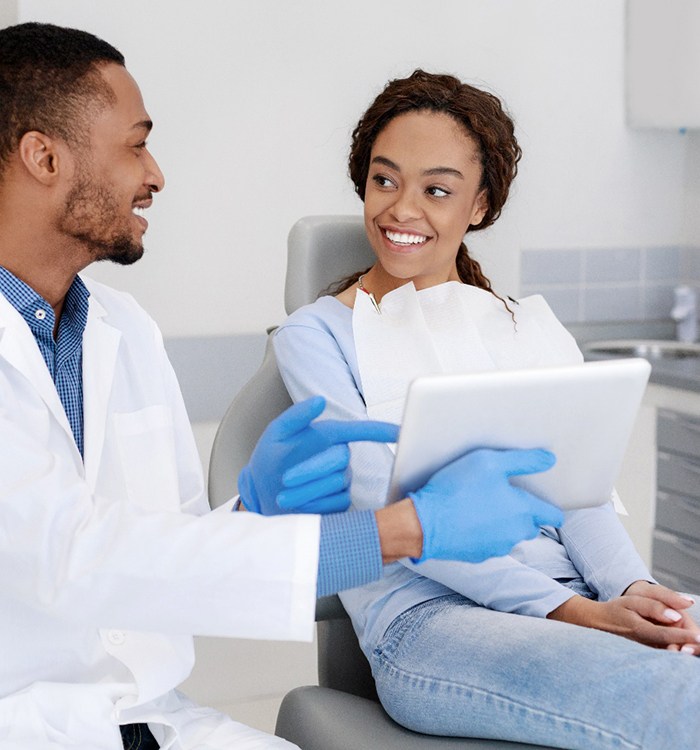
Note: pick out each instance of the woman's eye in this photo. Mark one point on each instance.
(437, 192)
(382, 181)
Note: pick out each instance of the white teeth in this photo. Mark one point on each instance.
(402, 238)
(138, 210)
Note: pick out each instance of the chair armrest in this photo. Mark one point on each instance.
(330, 608)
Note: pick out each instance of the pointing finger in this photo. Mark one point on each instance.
(347, 432)
(296, 418)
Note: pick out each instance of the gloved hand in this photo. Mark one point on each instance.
(469, 510)
(300, 467)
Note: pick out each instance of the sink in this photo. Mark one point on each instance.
(652, 350)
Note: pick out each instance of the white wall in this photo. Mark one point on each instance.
(254, 102)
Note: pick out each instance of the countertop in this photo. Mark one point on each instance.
(672, 373)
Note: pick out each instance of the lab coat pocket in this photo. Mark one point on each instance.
(146, 448)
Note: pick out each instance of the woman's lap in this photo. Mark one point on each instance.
(451, 667)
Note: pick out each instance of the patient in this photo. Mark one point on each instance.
(566, 641)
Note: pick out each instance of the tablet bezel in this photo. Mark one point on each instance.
(588, 419)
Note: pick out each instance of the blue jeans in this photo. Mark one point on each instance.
(451, 667)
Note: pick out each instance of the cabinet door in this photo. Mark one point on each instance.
(663, 63)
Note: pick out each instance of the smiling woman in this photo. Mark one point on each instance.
(454, 155)
(516, 647)
(417, 209)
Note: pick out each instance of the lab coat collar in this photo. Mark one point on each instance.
(19, 348)
(100, 349)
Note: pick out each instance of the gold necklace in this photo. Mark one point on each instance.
(369, 294)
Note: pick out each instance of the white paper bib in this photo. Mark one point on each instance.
(449, 328)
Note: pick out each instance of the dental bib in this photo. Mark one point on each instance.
(447, 329)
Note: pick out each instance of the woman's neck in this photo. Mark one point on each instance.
(379, 282)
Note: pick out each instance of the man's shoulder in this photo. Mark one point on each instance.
(113, 302)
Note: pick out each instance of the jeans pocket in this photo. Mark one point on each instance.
(406, 627)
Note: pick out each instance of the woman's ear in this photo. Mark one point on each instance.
(481, 205)
(39, 154)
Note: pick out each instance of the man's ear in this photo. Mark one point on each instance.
(41, 155)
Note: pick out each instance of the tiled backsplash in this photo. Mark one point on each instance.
(622, 284)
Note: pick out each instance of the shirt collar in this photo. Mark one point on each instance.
(37, 312)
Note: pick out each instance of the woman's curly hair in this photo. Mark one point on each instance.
(483, 118)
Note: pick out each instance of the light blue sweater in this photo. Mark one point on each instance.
(316, 355)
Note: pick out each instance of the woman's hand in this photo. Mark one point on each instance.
(646, 613)
(676, 604)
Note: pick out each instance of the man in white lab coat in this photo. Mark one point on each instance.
(109, 558)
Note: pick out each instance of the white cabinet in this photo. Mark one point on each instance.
(662, 64)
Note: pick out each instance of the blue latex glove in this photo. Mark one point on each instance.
(469, 510)
(303, 467)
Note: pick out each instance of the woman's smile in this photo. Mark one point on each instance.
(404, 240)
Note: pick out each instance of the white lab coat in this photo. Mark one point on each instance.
(108, 567)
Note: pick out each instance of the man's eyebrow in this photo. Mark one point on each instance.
(146, 125)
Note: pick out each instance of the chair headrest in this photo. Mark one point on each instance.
(320, 251)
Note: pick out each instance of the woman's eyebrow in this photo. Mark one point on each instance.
(444, 170)
(386, 162)
(427, 172)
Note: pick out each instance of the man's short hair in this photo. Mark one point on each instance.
(50, 82)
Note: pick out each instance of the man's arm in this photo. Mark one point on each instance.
(467, 511)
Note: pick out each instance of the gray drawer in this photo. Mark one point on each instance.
(678, 433)
(679, 514)
(677, 556)
(678, 474)
(677, 583)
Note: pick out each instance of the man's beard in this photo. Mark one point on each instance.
(91, 216)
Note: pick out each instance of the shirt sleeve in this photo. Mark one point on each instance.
(349, 554)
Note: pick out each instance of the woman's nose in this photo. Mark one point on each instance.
(406, 206)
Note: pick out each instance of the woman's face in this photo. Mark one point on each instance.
(422, 194)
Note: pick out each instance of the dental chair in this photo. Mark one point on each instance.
(343, 711)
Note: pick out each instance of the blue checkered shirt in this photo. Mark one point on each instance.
(64, 355)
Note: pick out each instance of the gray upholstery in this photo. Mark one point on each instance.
(320, 251)
(342, 713)
(260, 400)
(317, 718)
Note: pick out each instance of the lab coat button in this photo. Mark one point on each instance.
(116, 637)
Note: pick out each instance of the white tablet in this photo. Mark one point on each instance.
(584, 414)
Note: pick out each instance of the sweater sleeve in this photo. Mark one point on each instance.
(602, 551)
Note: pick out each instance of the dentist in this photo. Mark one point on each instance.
(109, 558)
